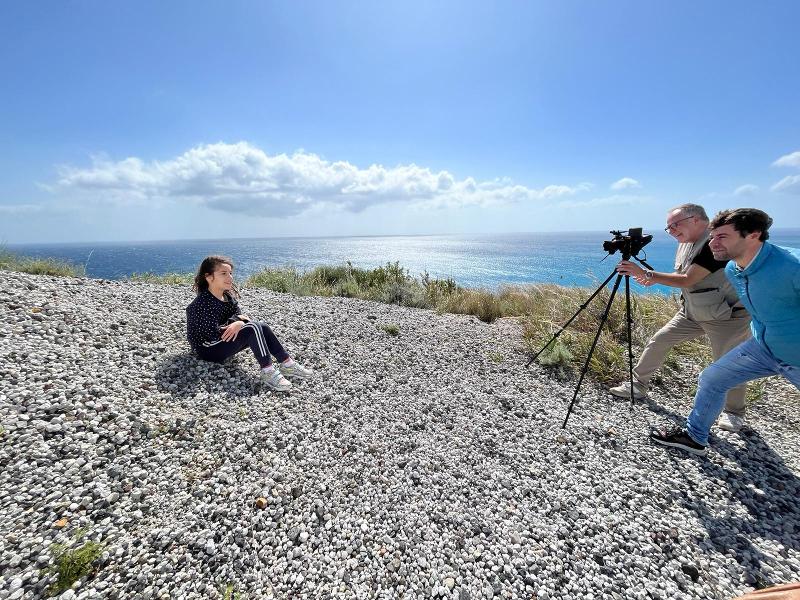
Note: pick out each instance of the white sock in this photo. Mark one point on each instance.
(288, 362)
(268, 369)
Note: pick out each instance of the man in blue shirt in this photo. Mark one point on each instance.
(767, 279)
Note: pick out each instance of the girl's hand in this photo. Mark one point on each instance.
(229, 332)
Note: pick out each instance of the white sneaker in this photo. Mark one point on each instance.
(274, 380)
(296, 370)
(623, 390)
(730, 422)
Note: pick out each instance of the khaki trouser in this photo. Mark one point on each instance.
(723, 336)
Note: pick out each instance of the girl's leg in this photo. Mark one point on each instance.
(250, 336)
(221, 351)
(271, 342)
(259, 343)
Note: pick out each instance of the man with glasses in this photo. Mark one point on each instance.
(709, 306)
(767, 278)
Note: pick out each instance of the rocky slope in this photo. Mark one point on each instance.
(427, 464)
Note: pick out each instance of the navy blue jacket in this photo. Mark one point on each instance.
(206, 314)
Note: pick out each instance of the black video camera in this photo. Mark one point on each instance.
(629, 245)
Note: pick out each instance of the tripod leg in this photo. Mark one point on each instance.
(628, 318)
(591, 350)
(572, 318)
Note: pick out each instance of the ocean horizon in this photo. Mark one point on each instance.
(477, 261)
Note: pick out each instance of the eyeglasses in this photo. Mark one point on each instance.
(674, 225)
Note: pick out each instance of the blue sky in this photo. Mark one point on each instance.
(167, 120)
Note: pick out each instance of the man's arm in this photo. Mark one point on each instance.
(646, 277)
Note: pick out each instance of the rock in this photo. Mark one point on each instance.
(691, 571)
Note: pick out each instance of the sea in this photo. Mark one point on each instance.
(476, 261)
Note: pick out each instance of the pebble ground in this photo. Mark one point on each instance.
(427, 464)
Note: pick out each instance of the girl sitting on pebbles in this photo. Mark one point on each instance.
(217, 330)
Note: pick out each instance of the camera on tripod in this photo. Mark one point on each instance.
(629, 243)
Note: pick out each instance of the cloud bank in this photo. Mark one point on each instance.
(241, 178)
(791, 183)
(789, 160)
(626, 183)
(746, 190)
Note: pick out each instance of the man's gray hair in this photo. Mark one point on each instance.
(692, 210)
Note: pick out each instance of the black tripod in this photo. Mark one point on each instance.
(625, 256)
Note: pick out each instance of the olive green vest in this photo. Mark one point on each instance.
(713, 297)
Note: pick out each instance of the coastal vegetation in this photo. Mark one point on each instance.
(10, 261)
(74, 563)
(391, 329)
(166, 278)
(540, 309)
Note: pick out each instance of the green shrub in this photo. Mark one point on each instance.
(556, 355)
(10, 261)
(391, 329)
(549, 307)
(389, 284)
(277, 280)
(496, 357)
(482, 303)
(74, 563)
(231, 593)
(166, 278)
(755, 391)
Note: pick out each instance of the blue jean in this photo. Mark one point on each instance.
(747, 361)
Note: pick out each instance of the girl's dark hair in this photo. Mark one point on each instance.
(207, 267)
(745, 221)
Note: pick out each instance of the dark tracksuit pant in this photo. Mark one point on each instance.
(257, 336)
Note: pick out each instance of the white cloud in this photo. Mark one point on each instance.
(626, 183)
(242, 178)
(746, 190)
(788, 160)
(789, 185)
(614, 200)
